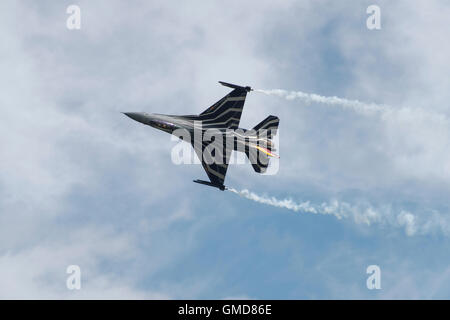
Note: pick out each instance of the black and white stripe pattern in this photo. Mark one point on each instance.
(216, 171)
(270, 124)
(225, 113)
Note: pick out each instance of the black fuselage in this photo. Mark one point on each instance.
(196, 127)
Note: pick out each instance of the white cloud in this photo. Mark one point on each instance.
(64, 143)
(40, 271)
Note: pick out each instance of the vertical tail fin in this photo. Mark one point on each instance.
(270, 124)
(262, 149)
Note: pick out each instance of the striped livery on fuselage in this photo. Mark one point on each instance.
(215, 133)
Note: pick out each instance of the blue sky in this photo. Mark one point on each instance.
(82, 184)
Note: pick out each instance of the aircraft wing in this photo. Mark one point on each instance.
(226, 113)
(216, 171)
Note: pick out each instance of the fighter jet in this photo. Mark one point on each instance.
(220, 120)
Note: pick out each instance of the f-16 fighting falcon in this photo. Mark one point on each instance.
(215, 133)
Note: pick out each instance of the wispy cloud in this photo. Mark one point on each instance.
(81, 184)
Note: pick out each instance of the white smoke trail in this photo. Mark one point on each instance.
(363, 213)
(338, 209)
(425, 130)
(386, 112)
(312, 97)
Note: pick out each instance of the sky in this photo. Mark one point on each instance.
(81, 184)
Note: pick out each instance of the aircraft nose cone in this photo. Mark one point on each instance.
(131, 115)
(137, 116)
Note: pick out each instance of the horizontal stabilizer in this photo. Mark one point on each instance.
(207, 183)
(269, 123)
(234, 86)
